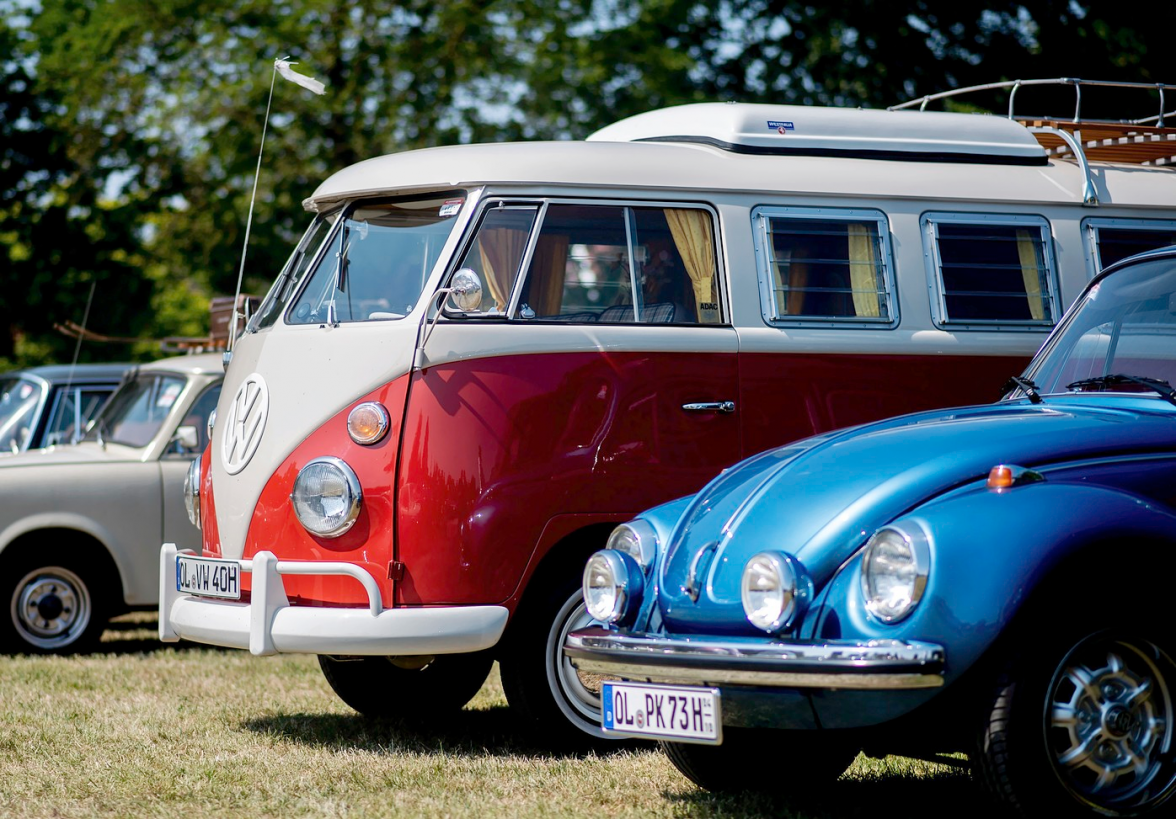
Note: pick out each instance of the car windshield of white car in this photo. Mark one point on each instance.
(375, 265)
(137, 411)
(1122, 337)
(18, 406)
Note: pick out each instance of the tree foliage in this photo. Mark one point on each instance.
(130, 128)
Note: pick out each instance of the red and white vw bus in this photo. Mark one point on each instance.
(479, 359)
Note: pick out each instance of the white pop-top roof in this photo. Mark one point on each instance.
(953, 163)
(810, 130)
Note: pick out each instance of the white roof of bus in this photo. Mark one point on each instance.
(682, 167)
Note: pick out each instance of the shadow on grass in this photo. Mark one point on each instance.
(138, 633)
(895, 796)
(469, 733)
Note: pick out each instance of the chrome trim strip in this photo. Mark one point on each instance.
(873, 664)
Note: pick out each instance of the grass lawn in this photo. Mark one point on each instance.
(144, 730)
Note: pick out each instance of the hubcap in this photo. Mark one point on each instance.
(577, 694)
(1109, 724)
(50, 607)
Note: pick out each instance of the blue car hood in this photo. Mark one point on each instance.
(821, 499)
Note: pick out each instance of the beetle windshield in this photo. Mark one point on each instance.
(375, 264)
(135, 413)
(19, 398)
(1123, 326)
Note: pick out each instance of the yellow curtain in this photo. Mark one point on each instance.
(501, 251)
(863, 271)
(1027, 253)
(691, 230)
(548, 269)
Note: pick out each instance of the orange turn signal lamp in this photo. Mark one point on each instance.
(1007, 476)
(367, 423)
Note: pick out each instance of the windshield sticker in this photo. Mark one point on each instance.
(450, 207)
(781, 127)
(168, 396)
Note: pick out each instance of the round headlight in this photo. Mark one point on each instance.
(612, 586)
(326, 497)
(192, 492)
(775, 589)
(894, 573)
(637, 539)
(367, 423)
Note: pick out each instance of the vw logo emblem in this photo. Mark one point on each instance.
(245, 423)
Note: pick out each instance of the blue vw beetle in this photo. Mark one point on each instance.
(988, 579)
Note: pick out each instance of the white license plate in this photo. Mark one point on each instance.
(208, 577)
(667, 711)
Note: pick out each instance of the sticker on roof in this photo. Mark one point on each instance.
(781, 127)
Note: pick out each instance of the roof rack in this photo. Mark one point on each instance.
(1143, 141)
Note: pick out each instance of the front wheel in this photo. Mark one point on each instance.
(540, 682)
(52, 609)
(756, 759)
(407, 688)
(1086, 729)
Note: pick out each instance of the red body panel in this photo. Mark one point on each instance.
(787, 397)
(209, 531)
(369, 543)
(496, 448)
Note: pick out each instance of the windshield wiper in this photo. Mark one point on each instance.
(1103, 381)
(1024, 385)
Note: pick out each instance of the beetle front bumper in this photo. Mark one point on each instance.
(268, 624)
(831, 664)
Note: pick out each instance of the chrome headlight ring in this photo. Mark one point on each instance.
(895, 565)
(327, 497)
(638, 539)
(613, 585)
(192, 492)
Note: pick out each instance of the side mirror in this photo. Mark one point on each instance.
(465, 290)
(186, 439)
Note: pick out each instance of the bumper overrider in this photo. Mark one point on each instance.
(268, 624)
(841, 664)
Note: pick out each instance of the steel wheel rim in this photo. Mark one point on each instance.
(1109, 724)
(575, 699)
(51, 607)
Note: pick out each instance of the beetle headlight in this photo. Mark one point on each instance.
(192, 492)
(637, 539)
(612, 586)
(326, 497)
(775, 590)
(894, 573)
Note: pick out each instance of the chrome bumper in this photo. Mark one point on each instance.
(268, 624)
(873, 664)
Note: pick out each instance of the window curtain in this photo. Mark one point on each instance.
(691, 230)
(863, 271)
(1031, 273)
(548, 268)
(501, 251)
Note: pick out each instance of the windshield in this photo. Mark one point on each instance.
(18, 406)
(295, 270)
(1124, 326)
(135, 413)
(376, 264)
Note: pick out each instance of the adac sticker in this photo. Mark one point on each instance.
(781, 127)
(450, 207)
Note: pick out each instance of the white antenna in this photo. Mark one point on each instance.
(282, 67)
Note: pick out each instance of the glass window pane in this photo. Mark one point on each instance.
(18, 412)
(386, 251)
(295, 270)
(1115, 244)
(74, 409)
(831, 269)
(497, 253)
(993, 272)
(137, 410)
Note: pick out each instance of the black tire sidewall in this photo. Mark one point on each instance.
(379, 689)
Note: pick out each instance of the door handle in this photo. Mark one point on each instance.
(710, 406)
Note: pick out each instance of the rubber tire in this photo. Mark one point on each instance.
(16, 570)
(1011, 757)
(378, 689)
(531, 669)
(764, 760)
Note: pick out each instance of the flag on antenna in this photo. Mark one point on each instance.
(293, 76)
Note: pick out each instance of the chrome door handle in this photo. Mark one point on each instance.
(710, 406)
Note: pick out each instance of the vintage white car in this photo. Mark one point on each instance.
(80, 524)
